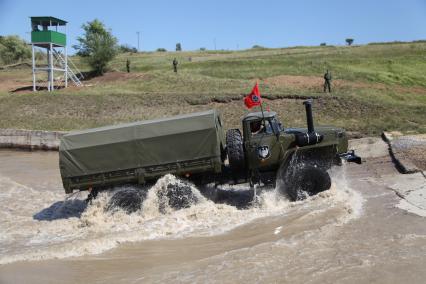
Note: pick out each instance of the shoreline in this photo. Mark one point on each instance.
(30, 139)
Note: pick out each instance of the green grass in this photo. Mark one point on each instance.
(402, 64)
(383, 88)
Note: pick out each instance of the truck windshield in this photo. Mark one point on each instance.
(260, 127)
(269, 126)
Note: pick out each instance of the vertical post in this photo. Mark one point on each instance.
(48, 69)
(34, 66)
(51, 67)
(66, 67)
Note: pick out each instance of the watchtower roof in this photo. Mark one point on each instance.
(48, 21)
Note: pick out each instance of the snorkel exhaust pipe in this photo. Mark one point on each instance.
(309, 117)
(311, 137)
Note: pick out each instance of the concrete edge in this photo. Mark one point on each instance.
(34, 139)
(402, 165)
(30, 139)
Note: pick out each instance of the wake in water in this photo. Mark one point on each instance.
(174, 194)
(72, 228)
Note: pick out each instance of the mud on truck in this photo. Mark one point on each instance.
(195, 147)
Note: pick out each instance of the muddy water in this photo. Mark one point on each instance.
(349, 234)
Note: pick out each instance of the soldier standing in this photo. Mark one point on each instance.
(128, 65)
(327, 81)
(175, 64)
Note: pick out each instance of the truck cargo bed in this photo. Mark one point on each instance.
(135, 152)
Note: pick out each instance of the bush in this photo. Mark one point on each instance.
(323, 44)
(98, 45)
(257, 47)
(13, 49)
(40, 56)
(127, 48)
(202, 49)
(161, 49)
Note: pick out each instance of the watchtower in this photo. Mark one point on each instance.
(45, 35)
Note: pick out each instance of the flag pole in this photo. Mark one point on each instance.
(261, 106)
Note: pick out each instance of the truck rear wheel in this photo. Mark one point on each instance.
(235, 150)
(301, 182)
(127, 199)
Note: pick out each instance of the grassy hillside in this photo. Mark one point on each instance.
(376, 87)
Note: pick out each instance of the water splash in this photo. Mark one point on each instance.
(47, 228)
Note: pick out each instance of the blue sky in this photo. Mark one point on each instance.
(231, 24)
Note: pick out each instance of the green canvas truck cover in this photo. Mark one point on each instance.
(141, 144)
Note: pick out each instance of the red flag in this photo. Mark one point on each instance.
(253, 99)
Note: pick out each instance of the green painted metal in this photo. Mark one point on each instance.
(48, 21)
(143, 150)
(48, 37)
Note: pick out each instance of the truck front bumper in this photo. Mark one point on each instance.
(350, 157)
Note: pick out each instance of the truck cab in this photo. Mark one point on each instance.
(264, 139)
(267, 147)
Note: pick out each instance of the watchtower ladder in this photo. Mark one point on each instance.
(74, 76)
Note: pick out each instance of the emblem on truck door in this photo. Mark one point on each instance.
(263, 152)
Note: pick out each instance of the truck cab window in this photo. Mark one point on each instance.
(255, 127)
(260, 127)
(268, 128)
(276, 124)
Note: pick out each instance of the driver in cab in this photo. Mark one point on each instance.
(257, 127)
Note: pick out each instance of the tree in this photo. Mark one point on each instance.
(160, 49)
(98, 45)
(349, 41)
(178, 47)
(13, 49)
(256, 46)
(40, 56)
(202, 49)
(127, 48)
(323, 44)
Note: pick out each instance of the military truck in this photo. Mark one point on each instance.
(196, 147)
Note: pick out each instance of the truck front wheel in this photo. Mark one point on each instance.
(235, 150)
(305, 181)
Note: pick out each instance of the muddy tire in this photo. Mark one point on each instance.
(129, 200)
(235, 150)
(305, 181)
(176, 196)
